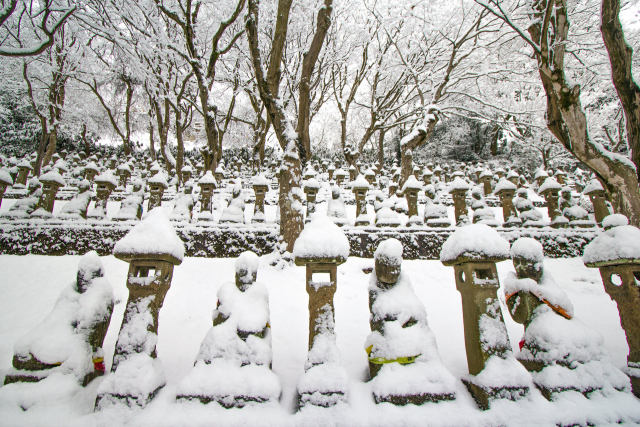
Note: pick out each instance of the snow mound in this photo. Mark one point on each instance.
(473, 243)
(614, 220)
(5, 177)
(107, 177)
(321, 238)
(153, 236)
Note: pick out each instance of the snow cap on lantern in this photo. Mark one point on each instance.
(321, 239)
(476, 242)
(153, 237)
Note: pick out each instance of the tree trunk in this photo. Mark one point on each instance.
(180, 141)
(290, 198)
(620, 57)
(381, 149)
(566, 118)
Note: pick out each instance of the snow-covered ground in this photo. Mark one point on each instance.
(29, 286)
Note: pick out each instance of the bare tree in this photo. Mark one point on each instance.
(548, 37)
(28, 29)
(204, 63)
(294, 144)
(620, 57)
(48, 97)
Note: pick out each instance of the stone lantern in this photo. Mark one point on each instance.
(152, 248)
(90, 171)
(155, 168)
(5, 181)
(219, 173)
(410, 190)
(106, 183)
(540, 176)
(485, 334)
(513, 177)
(124, 172)
(370, 176)
(500, 173)
(321, 247)
(485, 178)
(113, 161)
(560, 176)
(616, 252)
(24, 167)
(207, 184)
(51, 183)
(360, 187)
(331, 169)
(550, 190)
(311, 187)
(353, 173)
(187, 172)
(340, 176)
(505, 190)
(458, 190)
(426, 176)
(157, 184)
(597, 195)
(260, 188)
(393, 187)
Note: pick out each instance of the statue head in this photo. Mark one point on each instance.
(246, 270)
(388, 261)
(527, 256)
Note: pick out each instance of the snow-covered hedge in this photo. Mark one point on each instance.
(64, 238)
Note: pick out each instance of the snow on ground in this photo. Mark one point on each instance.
(30, 285)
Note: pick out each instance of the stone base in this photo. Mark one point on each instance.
(323, 385)
(323, 399)
(109, 399)
(227, 402)
(415, 399)
(483, 395)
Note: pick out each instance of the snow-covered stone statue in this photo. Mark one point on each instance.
(183, 203)
(561, 352)
(616, 252)
(234, 213)
(77, 207)
(403, 357)
(321, 247)
(22, 208)
(529, 215)
(482, 213)
(233, 366)
(335, 207)
(152, 248)
(494, 372)
(69, 340)
(131, 207)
